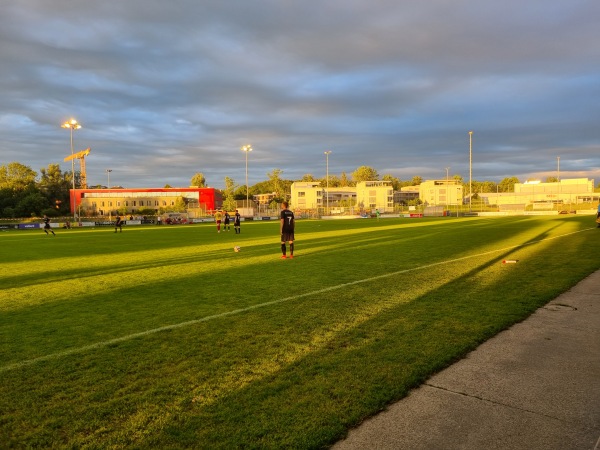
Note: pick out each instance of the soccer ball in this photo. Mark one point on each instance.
(236, 249)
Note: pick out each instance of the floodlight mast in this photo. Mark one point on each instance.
(247, 149)
(470, 169)
(72, 125)
(447, 190)
(327, 153)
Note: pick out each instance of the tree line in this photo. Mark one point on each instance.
(26, 193)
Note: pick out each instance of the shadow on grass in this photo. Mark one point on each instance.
(135, 308)
(299, 374)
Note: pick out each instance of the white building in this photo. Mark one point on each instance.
(366, 196)
(544, 195)
(441, 192)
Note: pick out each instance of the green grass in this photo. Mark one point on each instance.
(164, 337)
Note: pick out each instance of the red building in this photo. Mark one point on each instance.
(99, 202)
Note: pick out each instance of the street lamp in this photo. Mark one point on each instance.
(470, 169)
(327, 153)
(108, 171)
(246, 149)
(72, 125)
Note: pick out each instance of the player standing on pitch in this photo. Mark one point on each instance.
(236, 222)
(47, 225)
(226, 222)
(218, 217)
(119, 224)
(286, 229)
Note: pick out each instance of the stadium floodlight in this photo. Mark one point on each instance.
(108, 171)
(447, 190)
(72, 125)
(246, 149)
(327, 153)
(470, 169)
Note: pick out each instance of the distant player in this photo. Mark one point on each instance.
(47, 225)
(218, 217)
(119, 224)
(226, 221)
(286, 229)
(236, 222)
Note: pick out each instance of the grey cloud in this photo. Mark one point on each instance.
(166, 89)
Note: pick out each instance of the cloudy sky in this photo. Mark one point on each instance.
(165, 89)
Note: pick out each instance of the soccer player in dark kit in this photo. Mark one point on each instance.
(119, 224)
(47, 225)
(226, 222)
(236, 222)
(286, 229)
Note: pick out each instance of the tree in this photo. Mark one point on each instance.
(31, 205)
(395, 181)
(334, 181)
(508, 184)
(307, 177)
(17, 177)
(8, 202)
(198, 180)
(180, 205)
(229, 202)
(365, 173)
(487, 186)
(344, 182)
(19, 193)
(240, 192)
(55, 185)
(551, 180)
(416, 180)
(276, 183)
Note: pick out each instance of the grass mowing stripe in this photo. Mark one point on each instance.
(265, 304)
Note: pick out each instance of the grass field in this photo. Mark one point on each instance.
(164, 337)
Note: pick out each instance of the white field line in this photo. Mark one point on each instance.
(128, 337)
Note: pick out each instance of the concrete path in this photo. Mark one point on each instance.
(533, 386)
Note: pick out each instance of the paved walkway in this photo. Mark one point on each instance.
(533, 386)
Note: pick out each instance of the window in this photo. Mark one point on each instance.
(301, 194)
(134, 203)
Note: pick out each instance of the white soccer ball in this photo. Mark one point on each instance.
(237, 248)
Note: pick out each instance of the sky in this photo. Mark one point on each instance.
(164, 90)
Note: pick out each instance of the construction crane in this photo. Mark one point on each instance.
(81, 157)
